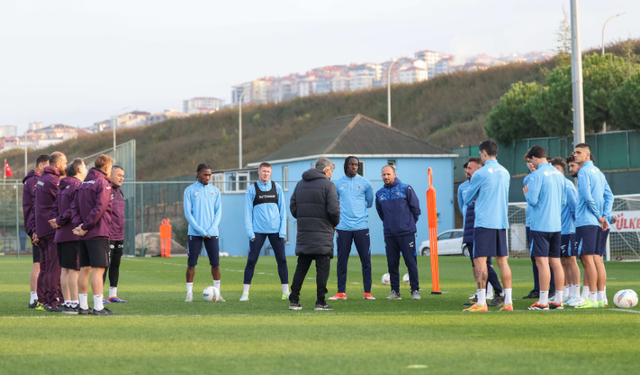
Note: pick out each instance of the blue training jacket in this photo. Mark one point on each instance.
(591, 190)
(529, 209)
(547, 196)
(569, 211)
(608, 199)
(398, 208)
(489, 187)
(202, 209)
(462, 189)
(355, 196)
(265, 218)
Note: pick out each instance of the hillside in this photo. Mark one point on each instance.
(447, 111)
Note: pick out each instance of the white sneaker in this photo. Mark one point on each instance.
(220, 299)
(566, 299)
(245, 297)
(189, 297)
(578, 301)
(473, 296)
(490, 296)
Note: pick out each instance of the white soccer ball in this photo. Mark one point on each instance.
(625, 298)
(210, 294)
(405, 279)
(386, 279)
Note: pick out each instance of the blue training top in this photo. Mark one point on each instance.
(355, 196)
(529, 209)
(547, 196)
(569, 211)
(265, 218)
(202, 209)
(591, 190)
(489, 187)
(462, 190)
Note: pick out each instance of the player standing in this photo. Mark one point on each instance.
(489, 188)
(116, 234)
(265, 216)
(546, 194)
(28, 211)
(203, 211)
(356, 196)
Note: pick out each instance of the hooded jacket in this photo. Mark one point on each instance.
(28, 201)
(92, 205)
(117, 214)
(62, 211)
(398, 208)
(46, 192)
(314, 203)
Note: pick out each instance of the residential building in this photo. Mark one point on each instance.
(101, 126)
(340, 83)
(413, 74)
(8, 130)
(256, 91)
(332, 70)
(170, 114)
(445, 66)
(212, 104)
(361, 82)
(36, 125)
(130, 119)
(306, 85)
(431, 58)
(323, 84)
(371, 69)
(395, 70)
(236, 92)
(59, 132)
(283, 88)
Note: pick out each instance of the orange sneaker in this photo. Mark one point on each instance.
(338, 297)
(508, 307)
(366, 296)
(476, 308)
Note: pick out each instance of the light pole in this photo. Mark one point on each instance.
(114, 125)
(604, 125)
(576, 75)
(393, 61)
(240, 128)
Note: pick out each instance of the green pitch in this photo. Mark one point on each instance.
(159, 333)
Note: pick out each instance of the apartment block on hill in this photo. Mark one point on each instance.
(201, 104)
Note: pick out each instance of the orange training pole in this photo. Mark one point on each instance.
(432, 215)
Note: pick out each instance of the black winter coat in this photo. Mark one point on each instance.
(314, 203)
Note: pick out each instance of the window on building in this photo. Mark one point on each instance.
(361, 168)
(285, 181)
(237, 182)
(218, 181)
(253, 177)
(392, 163)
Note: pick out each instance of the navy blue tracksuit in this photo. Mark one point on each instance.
(399, 209)
(344, 238)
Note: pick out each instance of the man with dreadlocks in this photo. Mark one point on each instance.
(203, 211)
(356, 196)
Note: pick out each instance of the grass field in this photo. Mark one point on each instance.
(159, 333)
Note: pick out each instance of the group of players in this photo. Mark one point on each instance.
(562, 223)
(75, 218)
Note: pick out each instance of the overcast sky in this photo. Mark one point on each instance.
(79, 62)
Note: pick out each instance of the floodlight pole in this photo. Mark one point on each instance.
(240, 128)
(604, 125)
(393, 61)
(576, 75)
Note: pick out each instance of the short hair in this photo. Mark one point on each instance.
(103, 160)
(583, 145)
(346, 162)
(536, 152)
(323, 164)
(202, 166)
(55, 157)
(117, 167)
(593, 158)
(74, 167)
(559, 162)
(265, 165)
(490, 147)
(42, 159)
(475, 159)
(390, 166)
(465, 165)
(525, 157)
(570, 159)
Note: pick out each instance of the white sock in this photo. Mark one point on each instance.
(216, 284)
(566, 289)
(482, 299)
(83, 301)
(74, 303)
(507, 297)
(245, 288)
(592, 296)
(66, 302)
(574, 291)
(544, 298)
(113, 291)
(585, 292)
(97, 302)
(189, 288)
(33, 297)
(558, 297)
(489, 291)
(601, 296)
(285, 288)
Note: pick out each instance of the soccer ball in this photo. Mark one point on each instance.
(405, 279)
(386, 279)
(625, 298)
(210, 294)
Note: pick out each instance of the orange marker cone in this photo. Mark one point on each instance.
(432, 215)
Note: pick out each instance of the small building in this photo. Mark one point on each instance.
(374, 143)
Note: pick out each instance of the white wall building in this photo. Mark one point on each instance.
(8, 131)
(36, 125)
(340, 83)
(213, 104)
(413, 74)
(130, 119)
(166, 115)
(431, 58)
(361, 82)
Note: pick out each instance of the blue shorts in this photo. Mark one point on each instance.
(587, 239)
(567, 245)
(490, 243)
(602, 242)
(470, 247)
(545, 244)
(194, 248)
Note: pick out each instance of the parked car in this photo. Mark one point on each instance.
(449, 243)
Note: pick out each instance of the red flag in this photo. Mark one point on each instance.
(7, 169)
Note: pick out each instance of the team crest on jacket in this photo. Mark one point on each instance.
(359, 187)
(212, 194)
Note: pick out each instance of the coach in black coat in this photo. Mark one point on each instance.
(314, 203)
